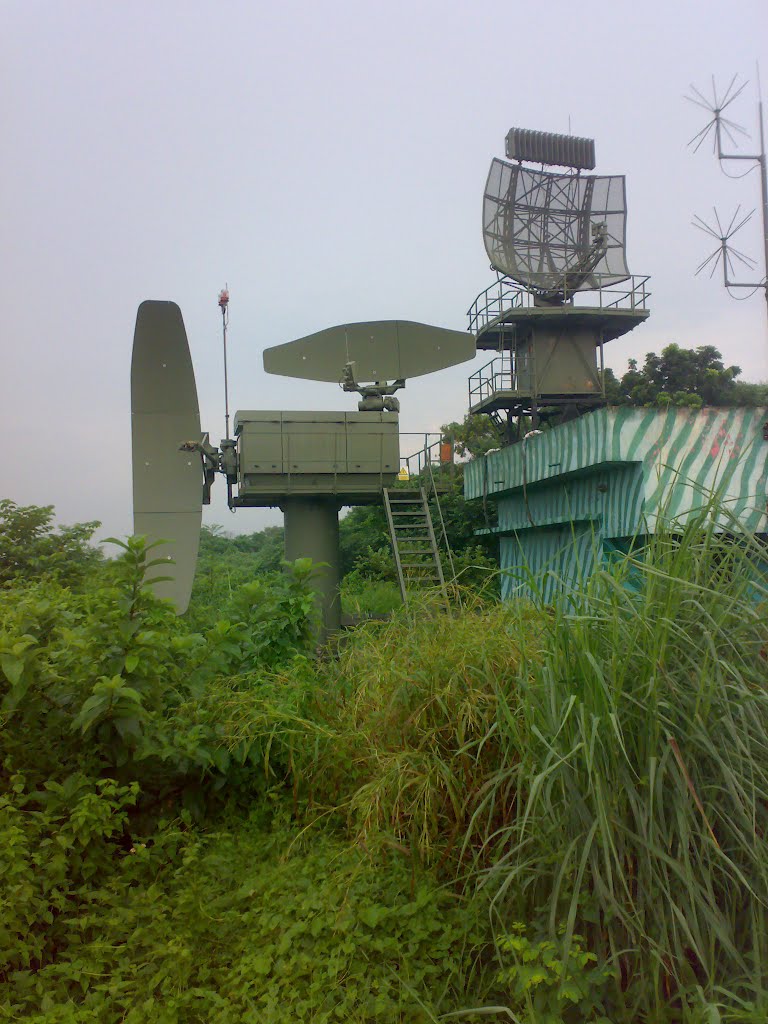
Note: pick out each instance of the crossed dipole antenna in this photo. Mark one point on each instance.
(718, 127)
(726, 254)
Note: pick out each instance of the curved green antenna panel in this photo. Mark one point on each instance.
(167, 482)
(380, 350)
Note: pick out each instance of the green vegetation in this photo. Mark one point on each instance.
(497, 812)
(683, 377)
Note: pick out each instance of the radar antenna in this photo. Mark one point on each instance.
(716, 127)
(553, 234)
(725, 254)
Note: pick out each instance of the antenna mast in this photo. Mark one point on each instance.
(716, 127)
(224, 307)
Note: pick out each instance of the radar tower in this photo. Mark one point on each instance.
(552, 238)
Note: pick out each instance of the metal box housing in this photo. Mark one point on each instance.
(351, 456)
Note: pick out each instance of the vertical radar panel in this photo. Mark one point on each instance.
(555, 233)
(167, 482)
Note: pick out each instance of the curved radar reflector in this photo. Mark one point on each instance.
(381, 350)
(167, 482)
(555, 232)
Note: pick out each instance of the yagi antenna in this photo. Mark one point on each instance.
(716, 127)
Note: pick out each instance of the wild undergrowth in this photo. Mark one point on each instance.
(254, 924)
(545, 814)
(641, 816)
(599, 768)
(397, 735)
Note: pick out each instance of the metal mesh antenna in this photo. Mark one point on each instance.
(716, 127)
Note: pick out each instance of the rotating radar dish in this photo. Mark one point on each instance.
(380, 350)
(555, 233)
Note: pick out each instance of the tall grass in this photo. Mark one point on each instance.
(642, 810)
(600, 767)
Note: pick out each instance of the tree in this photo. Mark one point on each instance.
(680, 377)
(31, 547)
(474, 436)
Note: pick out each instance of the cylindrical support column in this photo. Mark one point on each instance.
(312, 531)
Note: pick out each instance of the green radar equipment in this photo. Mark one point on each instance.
(556, 240)
(309, 464)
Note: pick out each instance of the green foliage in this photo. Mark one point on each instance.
(550, 983)
(226, 563)
(109, 679)
(640, 802)
(679, 376)
(399, 732)
(474, 436)
(30, 546)
(362, 530)
(56, 844)
(213, 825)
(259, 925)
(361, 595)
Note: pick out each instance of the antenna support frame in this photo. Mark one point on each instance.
(374, 397)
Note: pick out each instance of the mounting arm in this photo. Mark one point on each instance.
(374, 397)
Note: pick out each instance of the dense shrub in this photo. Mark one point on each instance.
(31, 547)
(553, 815)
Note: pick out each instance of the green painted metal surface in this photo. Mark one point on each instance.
(351, 456)
(567, 495)
(381, 350)
(167, 482)
(549, 561)
(312, 531)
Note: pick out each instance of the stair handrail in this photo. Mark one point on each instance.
(442, 526)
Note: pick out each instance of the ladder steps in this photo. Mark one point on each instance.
(410, 522)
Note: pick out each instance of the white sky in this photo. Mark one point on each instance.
(327, 160)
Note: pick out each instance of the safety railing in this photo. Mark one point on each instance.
(505, 295)
(429, 465)
(496, 375)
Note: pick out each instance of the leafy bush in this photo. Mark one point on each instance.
(225, 564)
(251, 926)
(109, 680)
(30, 546)
(549, 983)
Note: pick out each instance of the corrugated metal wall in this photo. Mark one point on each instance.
(545, 563)
(609, 476)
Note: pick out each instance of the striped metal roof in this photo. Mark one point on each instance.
(626, 466)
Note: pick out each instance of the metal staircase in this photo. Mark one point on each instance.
(417, 557)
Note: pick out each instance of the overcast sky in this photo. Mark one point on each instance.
(327, 160)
